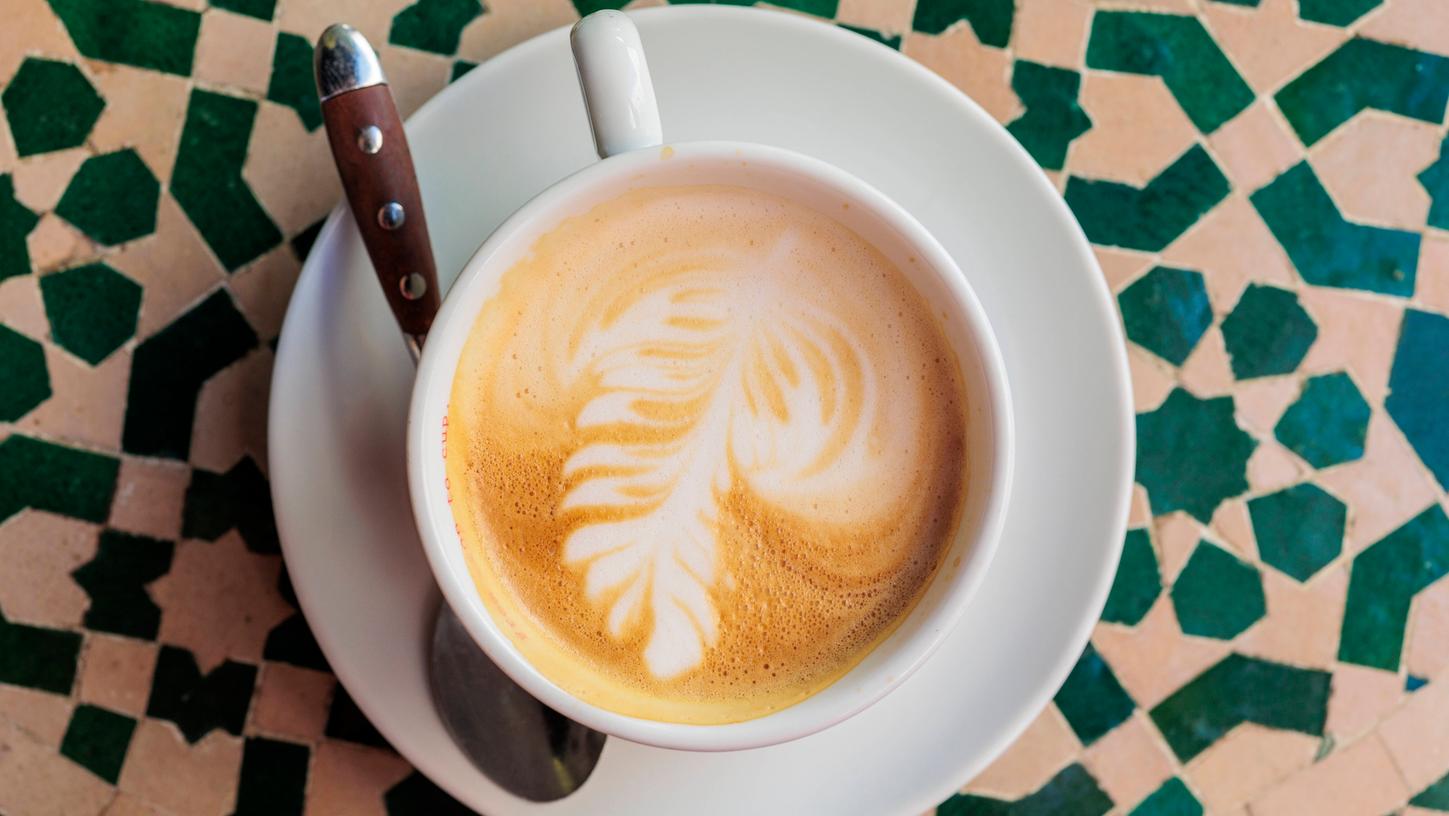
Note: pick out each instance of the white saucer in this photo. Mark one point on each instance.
(514, 125)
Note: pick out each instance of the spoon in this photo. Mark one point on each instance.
(524, 746)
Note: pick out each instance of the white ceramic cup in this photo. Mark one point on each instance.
(620, 102)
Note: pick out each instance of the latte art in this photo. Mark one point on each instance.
(705, 449)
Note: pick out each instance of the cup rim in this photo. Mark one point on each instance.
(434, 519)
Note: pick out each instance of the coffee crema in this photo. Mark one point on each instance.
(705, 450)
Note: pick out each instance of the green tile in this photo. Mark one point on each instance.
(1365, 74)
(417, 795)
(112, 198)
(1072, 792)
(1329, 422)
(37, 657)
(1178, 49)
(1329, 250)
(50, 106)
(260, 9)
(92, 310)
(135, 32)
(819, 8)
(116, 582)
(169, 368)
(1413, 683)
(24, 378)
(1138, 582)
(1172, 799)
(1418, 397)
(461, 67)
(1217, 594)
(587, 7)
(302, 242)
(1248, 3)
(433, 25)
(1434, 797)
(207, 180)
(1384, 580)
(989, 19)
(292, 83)
(1091, 699)
(1237, 690)
(1053, 118)
(1335, 12)
(1151, 217)
(1299, 529)
(347, 722)
(1166, 312)
(273, 780)
(199, 703)
(1191, 454)
(239, 499)
(1267, 332)
(890, 41)
(16, 222)
(1435, 179)
(97, 739)
(55, 478)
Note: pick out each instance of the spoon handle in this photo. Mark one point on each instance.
(376, 166)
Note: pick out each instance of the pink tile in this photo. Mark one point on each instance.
(1177, 535)
(144, 110)
(1231, 246)
(35, 780)
(30, 28)
(290, 170)
(231, 414)
(39, 551)
(1235, 528)
(87, 404)
(127, 805)
(1246, 762)
(149, 497)
(292, 702)
(1370, 167)
(1359, 779)
(506, 25)
(1255, 146)
(1428, 652)
(1431, 288)
(55, 244)
(1269, 44)
(1139, 513)
(1050, 32)
(1152, 378)
(38, 715)
(1138, 129)
(349, 779)
(235, 50)
(1385, 488)
(1043, 749)
(1131, 761)
(174, 265)
(1419, 24)
(116, 673)
(1303, 622)
(1154, 658)
(40, 180)
(264, 288)
(1121, 266)
(414, 76)
(1355, 332)
(1361, 697)
(21, 308)
(1415, 734)
(197, 780)
(1272, 467)
(1260, 403)
(982, 73)
(1206, 371)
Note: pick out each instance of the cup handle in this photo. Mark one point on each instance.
(614, 78)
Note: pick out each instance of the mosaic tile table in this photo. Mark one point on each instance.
(1267, 184)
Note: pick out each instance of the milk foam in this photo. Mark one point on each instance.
(689, 395)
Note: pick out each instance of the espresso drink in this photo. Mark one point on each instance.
(705, 449)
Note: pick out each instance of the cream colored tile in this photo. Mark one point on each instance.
(55, 244)
(40, 180)
(127, 805)
(1140, 512)
(308, 19)
(1177, 535)
(1231, 246)
(1272, 467)
(1385, 488)
(39, 715)
(144, 110)
(21, 307)
(149, 497)
(87, 405)
(263, 289)
(1370, 167)
(889, 16)
(1269, 45)
(35, 780)
(39, 551)
(292, 702)
(231, 414)
(1130, 762)
(1046, 747)
(1234, 527)
(1431, 286)
(1154, 658)
(413, 75)
(1356, 333)
(290, 170)
(1206, 372)
(1121, 266)
(197, 780)
(1418, 24)
(1361, 697)
(116, 673)
(1051, 32)
(1415, 733)
(1303, 622)
(1428, 652)
(349, 779)
(1255, 147)
(1248, 761)
(234, 50)
(174, 266)
(1355, 780)
(506, 25)
(219, 600)
(1151, 379)
(1138, 129)
(982, 73)
(1260, 403)
(31, 28)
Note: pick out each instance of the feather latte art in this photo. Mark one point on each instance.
(705, 449)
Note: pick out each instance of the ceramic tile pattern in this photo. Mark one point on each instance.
(1267, 186)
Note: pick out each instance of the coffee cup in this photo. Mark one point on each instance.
(635, 160)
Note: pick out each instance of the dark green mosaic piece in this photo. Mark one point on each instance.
(890, 41)
(24, 378)
(1329, 422)
(116, 582)
(1418, 397)
(1237, 690)
(92, 310)
(169, 368)
(347, 722)
(36, 657)
(16, 222)
(417, 794)
(50, 106)
(1299, 529)
(461, 67)
(135, 32)
(1072, 792)
(1435, 179)
(1335, 12)
(1434, 797)
(587, 7)
(1191, 454)
(1365, 74)
(1091, 698)
(1384, 580)
(433, 25)
(1053, 118)
(112, 198)
(97, 739)
(1172, 799)
(200, 703)
(819, 8)
(291, 641)
(1149, 218)
(990, 19)
(302, 242)
(54, 478)
(1267, 333)
(1178, 49)
(239, 498)
(273, 780)
(1166, 312)
(292, 83)
(1248, 3)
(208, 184)
(1328, 250)
(260, 9)
(1138, 581)
(1217, 595)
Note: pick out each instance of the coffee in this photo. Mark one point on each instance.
(705, 449)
